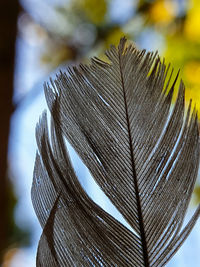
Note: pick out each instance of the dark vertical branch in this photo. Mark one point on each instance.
(8, 21)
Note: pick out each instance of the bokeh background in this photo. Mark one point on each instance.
(37, 39)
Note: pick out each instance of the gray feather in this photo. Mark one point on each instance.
(145, 158)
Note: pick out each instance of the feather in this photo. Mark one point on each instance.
(144, 156)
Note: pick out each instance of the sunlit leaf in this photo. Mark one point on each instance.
(185, 53)
(114, 36)
(192, 23)
(192, 72)
(162, 12)
(95, 10)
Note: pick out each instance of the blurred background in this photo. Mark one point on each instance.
(38, 38)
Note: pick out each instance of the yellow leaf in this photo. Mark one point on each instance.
(162, 11)
(95, 10)
(114, 36)
(192, 23)
(193, 93)
(192, 72)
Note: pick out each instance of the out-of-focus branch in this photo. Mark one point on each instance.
(8, 21)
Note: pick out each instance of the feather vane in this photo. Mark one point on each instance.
(143, 156)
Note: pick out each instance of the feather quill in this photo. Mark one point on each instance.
(145, 158)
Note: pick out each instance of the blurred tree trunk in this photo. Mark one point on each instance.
(8, 22)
